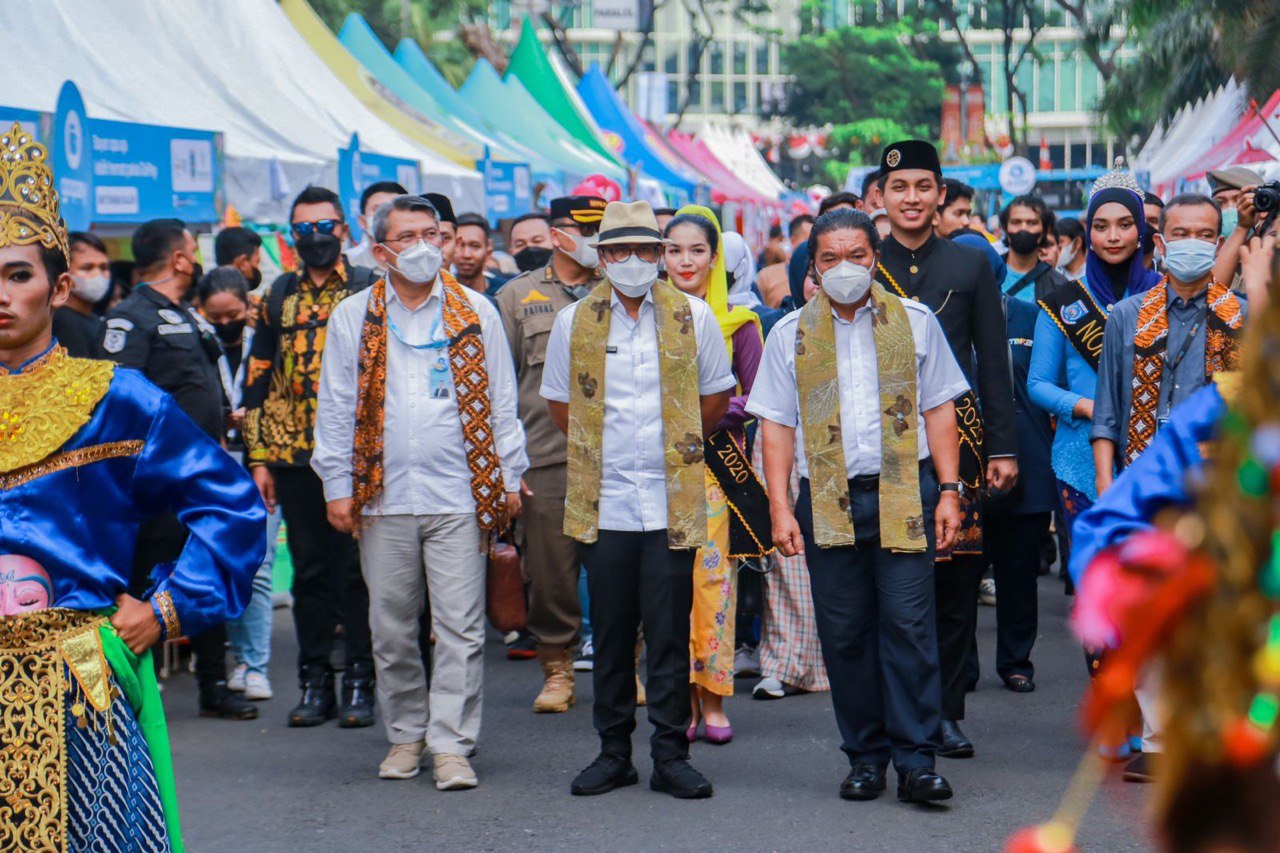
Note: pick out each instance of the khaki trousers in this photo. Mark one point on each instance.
(404, 558)
(551, 561)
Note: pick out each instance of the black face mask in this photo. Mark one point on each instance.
(255, 279)
(230, 331)
(1024, 242)
(532, 258)
(318, 250)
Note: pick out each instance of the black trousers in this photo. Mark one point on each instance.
(161, 540)
(1013, 544)
(326, 574)
(956, 585)
(635, 579)
(875, 616)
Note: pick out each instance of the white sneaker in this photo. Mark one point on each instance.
(236, 680)
(586, 658)
(746, 663)
(257, 687)
(987, 592)
(768, 688)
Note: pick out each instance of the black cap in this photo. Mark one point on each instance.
(443, 206)
(583, 209)
(910, 154)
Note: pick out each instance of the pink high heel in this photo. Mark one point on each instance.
(692, 734)
(719, 735)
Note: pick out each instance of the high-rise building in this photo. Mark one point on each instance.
(740, 80)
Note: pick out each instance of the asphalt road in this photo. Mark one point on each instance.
(260, 786)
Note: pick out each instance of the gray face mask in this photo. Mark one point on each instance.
(584, 254)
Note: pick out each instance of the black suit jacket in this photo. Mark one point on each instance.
(956, 281)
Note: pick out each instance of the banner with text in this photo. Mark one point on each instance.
(358, 169)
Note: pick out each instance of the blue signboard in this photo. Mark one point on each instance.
(72, 159)
(358, 169)
(29, 119)
(508, 190)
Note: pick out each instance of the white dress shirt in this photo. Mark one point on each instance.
(775, 396)
(633, 484)
(425, 469)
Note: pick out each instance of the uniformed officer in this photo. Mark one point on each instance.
(958, 284)
(528, 305)
(153, 331)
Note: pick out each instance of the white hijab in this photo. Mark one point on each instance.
(738, 261)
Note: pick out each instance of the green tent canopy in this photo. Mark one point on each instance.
(532, 67)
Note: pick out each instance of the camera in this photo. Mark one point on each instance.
(1266, 198)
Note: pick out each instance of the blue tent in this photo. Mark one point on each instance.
(611, 114)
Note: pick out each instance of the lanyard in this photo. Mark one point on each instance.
(1172, 365)
(234, 385)
(435, 342)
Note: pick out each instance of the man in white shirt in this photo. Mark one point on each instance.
(421, 454)
(374, 196)
(636, 373)
(856, 390)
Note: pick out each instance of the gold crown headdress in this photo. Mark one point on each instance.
(28, 201)
(1118, 178)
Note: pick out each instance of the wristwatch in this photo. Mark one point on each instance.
(958, 488)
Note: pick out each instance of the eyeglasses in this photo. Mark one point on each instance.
(324, 226)
(427, 236)
(619, 254)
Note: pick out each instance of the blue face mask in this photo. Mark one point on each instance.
(1188, 260)
(1230, 219)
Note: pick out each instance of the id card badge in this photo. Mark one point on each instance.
(440, 380)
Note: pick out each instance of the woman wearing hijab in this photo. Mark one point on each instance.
(1063, 375)
(695, 263)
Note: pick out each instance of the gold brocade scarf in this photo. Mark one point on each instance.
(45, 404)
(1223, 322)
(681, 415)
(818, 384)
(471, 392)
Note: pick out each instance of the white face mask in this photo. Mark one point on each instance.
(633, 277)
(846, 282)
(90, 288)
(419, 263)
(1066, 256)
(582, 253)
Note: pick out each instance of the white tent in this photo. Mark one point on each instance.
(235, 66)
(736, 150)
(1194, 130)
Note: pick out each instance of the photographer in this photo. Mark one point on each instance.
(1233, 191)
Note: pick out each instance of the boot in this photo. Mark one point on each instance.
(318, 702)
(642, 698)
(357, 697)
(217, 701)
(557, 689)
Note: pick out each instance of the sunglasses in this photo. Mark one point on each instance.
(324, 226)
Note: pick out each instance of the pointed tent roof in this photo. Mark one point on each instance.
(530, 63)
(410, 57)
(511, 103)
(612, 115)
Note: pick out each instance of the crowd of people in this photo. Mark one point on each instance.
(806, 467)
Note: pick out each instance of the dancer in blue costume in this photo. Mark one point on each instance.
(87, 452)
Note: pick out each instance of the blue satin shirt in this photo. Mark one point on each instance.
(1160, 477)
(81, 523)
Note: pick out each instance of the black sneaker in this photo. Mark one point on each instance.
(217, 701)
(585, 660)
(605, 773)
(675, 777)
(357, 697)
(525, 647)
(318, 703)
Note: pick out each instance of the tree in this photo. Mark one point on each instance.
(1096, 19)
(1190, 48)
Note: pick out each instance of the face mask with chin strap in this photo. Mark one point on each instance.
(420, 263)
(632, 277)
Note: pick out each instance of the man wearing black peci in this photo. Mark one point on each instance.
(956, 281)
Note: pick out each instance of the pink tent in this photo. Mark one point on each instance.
(725, 186)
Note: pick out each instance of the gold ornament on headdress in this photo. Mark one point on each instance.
(28, 201)
(1118, 178)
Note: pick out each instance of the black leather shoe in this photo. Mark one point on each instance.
(605, 773)
(218, 701)
(677, 778)
(954, 743)
(1020, 684)
(864, 782)
(357, 697)
(1140, 769)
(923, 785)
(318, 702)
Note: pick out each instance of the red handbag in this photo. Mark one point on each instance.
(504, 588)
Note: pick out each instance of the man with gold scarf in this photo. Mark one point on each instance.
(421, 453)
(857, 389)
(87, 451)
(637, 374)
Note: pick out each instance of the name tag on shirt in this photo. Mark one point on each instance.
(611, 350)
(174, 329)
